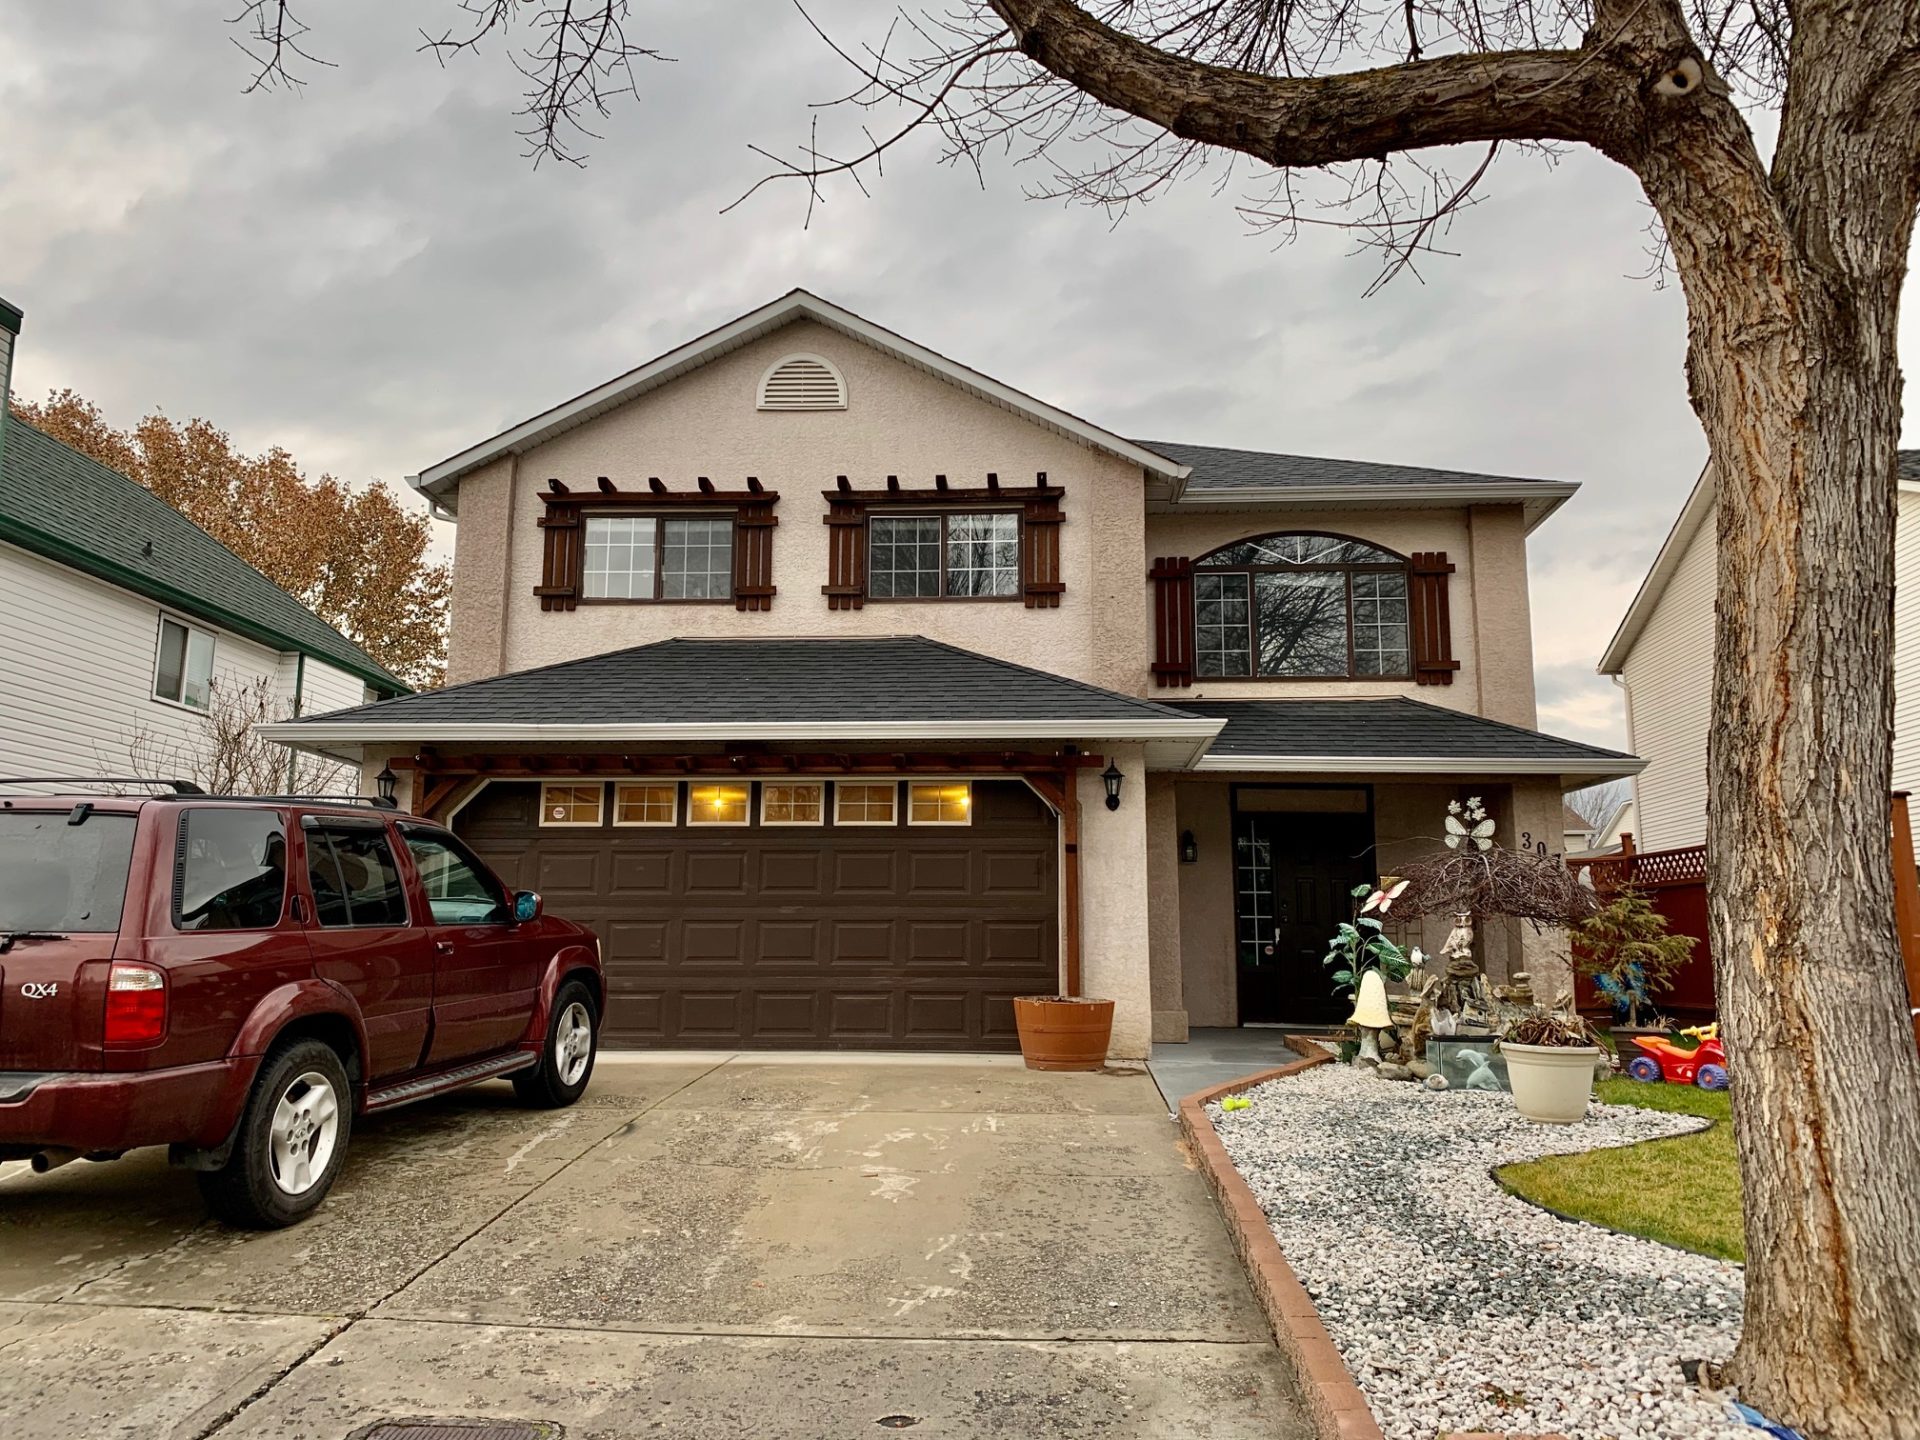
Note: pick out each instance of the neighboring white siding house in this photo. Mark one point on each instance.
(1662, 656)
(121, 620)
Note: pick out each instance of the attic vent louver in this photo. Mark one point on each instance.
(803, 382)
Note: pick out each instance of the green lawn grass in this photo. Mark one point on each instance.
(1684, 1191)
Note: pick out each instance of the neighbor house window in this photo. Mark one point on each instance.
(717, 804)
(184, 671)
(1301, 606)
(657, 804)
(944, 803)
(864, 804)
(571, 804)
(644, 557)
(797, 804)
(959, 556)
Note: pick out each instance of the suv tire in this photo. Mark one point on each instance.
(291, 1142)
(566, 1059)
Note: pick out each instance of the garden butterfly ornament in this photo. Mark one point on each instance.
(1469, 824)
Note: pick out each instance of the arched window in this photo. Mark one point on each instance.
(1301, 606)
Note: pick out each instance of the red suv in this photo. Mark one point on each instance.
(237, 978)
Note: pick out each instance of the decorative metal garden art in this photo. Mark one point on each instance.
(1474, 879)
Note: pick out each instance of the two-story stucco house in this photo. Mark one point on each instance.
(120, 619)
(1662, 658)
(850, 692)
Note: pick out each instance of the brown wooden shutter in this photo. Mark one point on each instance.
(753, 587)
(1040, 549)
(1429, 621)
(564, 557)
(846, 522)
(1172, 621)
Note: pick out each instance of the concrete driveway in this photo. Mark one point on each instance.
(704, 1246)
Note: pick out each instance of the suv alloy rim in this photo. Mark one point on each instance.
(306, 1125)
(572, 1043)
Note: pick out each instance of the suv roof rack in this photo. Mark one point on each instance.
(377, 802)
(178, 787)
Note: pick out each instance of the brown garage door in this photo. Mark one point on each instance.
(869, 937)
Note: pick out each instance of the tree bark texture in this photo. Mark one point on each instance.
(1792, 279)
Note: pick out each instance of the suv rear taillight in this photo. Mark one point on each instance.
(136, 1005)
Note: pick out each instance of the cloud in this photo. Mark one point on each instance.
(369, 273)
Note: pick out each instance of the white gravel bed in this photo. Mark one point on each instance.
(1458, 1306)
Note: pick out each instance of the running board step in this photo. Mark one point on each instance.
(388, 1097)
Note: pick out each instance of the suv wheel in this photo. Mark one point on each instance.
(291, 1143)
(566, 1060)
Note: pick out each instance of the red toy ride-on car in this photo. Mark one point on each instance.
(1662, 1059)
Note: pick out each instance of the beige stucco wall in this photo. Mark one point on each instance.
(1492, 635)
(899, 420)
(1163, 908)
(1114, 944)
(1206, 905)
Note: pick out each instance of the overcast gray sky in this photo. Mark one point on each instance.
(369, 273)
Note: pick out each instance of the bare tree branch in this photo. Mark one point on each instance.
(273, 33)
(579, 63)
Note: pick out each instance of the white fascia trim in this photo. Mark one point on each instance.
(434, 480)
(1403, 765)
(307, 733)
(1647, 598)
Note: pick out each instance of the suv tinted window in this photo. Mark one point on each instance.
(354, 879)
(60, 877)
(232, 870)
(459, 892)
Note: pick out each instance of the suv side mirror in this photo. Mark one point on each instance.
(526, 906)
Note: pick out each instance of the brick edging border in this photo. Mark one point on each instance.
(1335, 1404)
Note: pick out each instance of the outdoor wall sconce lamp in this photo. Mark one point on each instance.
(1111, 778)
(1189, 850)
(387, 783)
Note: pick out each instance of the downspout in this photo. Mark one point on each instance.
(299, 688)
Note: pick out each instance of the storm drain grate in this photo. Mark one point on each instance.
(460, 1430)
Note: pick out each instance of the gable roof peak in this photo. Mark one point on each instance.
(440, 483)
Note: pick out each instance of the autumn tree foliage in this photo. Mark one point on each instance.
(354, 557)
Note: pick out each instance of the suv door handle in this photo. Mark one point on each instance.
(443, 947)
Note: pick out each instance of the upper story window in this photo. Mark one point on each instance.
(183, 672)
(1301, 607)
(803, 382)
(950, 556)
(646, 557)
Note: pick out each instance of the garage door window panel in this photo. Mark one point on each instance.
(717, 804)
(571, 805)
(646, 805)
(782, 804)
(863, 804)
(943, 803)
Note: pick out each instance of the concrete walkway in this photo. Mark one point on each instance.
(704, 1246)
(1213, 1057)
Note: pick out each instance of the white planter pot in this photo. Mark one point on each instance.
(1551, 1083)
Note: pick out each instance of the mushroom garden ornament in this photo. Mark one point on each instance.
(1370, 1015)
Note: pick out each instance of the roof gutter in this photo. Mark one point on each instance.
(1554, 492)
(1598, 766)
(321, 728)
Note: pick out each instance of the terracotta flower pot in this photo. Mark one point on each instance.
(1058, 1033)
(1551, 1083)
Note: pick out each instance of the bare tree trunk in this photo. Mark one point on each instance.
(1792, 283)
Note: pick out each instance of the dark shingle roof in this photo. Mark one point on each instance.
(1391, 727)
(1910, 465)
(61, 504)
(1215, 468)
(888, 679)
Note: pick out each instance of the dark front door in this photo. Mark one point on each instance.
(1293, 880)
